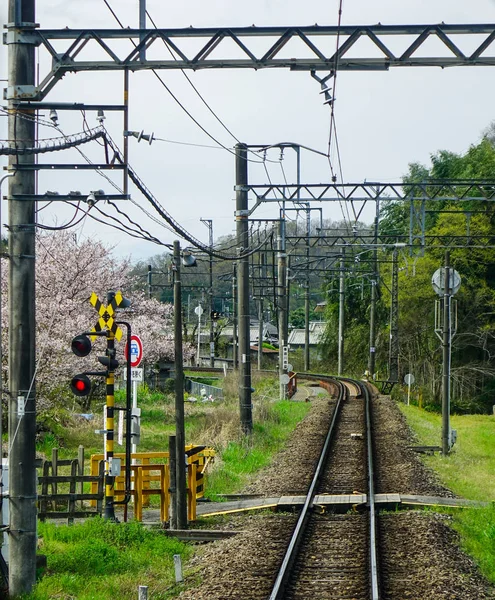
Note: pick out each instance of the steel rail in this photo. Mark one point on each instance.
(373, 556)
(374, 567)
(279, 587)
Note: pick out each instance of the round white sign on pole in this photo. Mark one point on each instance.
(136, 351)
(438, 281)
(199, 310)
(409, 379)
(284, 379)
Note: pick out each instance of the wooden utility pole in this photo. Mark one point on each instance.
(22, 324)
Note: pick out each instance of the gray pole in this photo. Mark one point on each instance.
(341, 313)
(393, 359)
(260, 329)
(149, 281)
(172, 465)
(209, 224)
(282, 308)
(22, 320)
(180, 436)
(142, 26)
(234, 317)
(306, 295)
(374, 283)
(446, 359)
(241, 214)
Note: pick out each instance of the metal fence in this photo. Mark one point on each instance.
(203, 391)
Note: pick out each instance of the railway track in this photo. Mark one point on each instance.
(334, 555)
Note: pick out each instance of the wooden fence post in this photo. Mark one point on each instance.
(54, 474)
(80, 470)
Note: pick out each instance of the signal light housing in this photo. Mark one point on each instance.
(81, 345)
(110, 363)
(80, 385)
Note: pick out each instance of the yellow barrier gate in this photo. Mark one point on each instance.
(153, 478)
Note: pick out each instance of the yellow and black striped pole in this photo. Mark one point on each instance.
(109, 512)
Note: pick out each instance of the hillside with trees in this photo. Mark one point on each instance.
(470, 227)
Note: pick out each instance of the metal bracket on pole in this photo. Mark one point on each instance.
(21, 36)
(20, 92)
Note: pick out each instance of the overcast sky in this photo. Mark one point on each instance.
(384, 120)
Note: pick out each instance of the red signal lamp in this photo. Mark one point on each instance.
(81, 345)
(80, 385)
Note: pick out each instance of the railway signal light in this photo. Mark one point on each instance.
(81, 345)
(215, 315)
(80, 385)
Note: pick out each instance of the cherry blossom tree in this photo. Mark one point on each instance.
(67, 272)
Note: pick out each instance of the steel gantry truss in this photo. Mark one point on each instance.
(295, 48)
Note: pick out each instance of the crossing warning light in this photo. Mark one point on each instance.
(81, 345)
(80, 385)
(215, 315)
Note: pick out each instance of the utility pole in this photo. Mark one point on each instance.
(340, 368)
(446, 350)
(262, 275)
(260, 329)
(180, 436)
(393, 358)
(374, 283)
(242, 213)
(22, 320)
(234, 317)
(209, 224)
(306, 293)
(149, 281)
(282, 311)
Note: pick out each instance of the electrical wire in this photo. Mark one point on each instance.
(179, 103)
(68, 225)
(333, 123)
(164, 214)
(194, 87)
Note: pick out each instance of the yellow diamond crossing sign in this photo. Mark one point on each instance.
(106, 320)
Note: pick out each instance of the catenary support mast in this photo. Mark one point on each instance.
(22, 405)
(244, 357)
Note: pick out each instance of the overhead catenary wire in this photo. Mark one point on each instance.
(179, 103)
(333, 123)
(166, 215)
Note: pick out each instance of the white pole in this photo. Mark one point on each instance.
(408, 391)
(143, 592)
(134, 405)
(199, 336)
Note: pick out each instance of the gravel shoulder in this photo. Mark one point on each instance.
(433, 567)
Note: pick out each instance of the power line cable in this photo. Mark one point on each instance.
(194, 87)
(167, 88)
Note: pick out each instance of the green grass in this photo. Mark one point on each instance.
(476, 527)
(100, 559)
(467, 471)
(241, 460)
